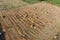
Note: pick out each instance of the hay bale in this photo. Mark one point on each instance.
(39, 21)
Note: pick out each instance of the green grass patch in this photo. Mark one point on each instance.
(56, 2)
(31, 1)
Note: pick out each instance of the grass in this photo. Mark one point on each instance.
(31, 1)
(6, 4)
(56, 2)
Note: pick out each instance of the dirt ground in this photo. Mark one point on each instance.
(39, 21)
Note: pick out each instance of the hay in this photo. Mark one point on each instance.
(39, 21)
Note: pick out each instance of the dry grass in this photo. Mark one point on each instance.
(5, 4)
(39, 21)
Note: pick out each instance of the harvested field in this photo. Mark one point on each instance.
(39, 21)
